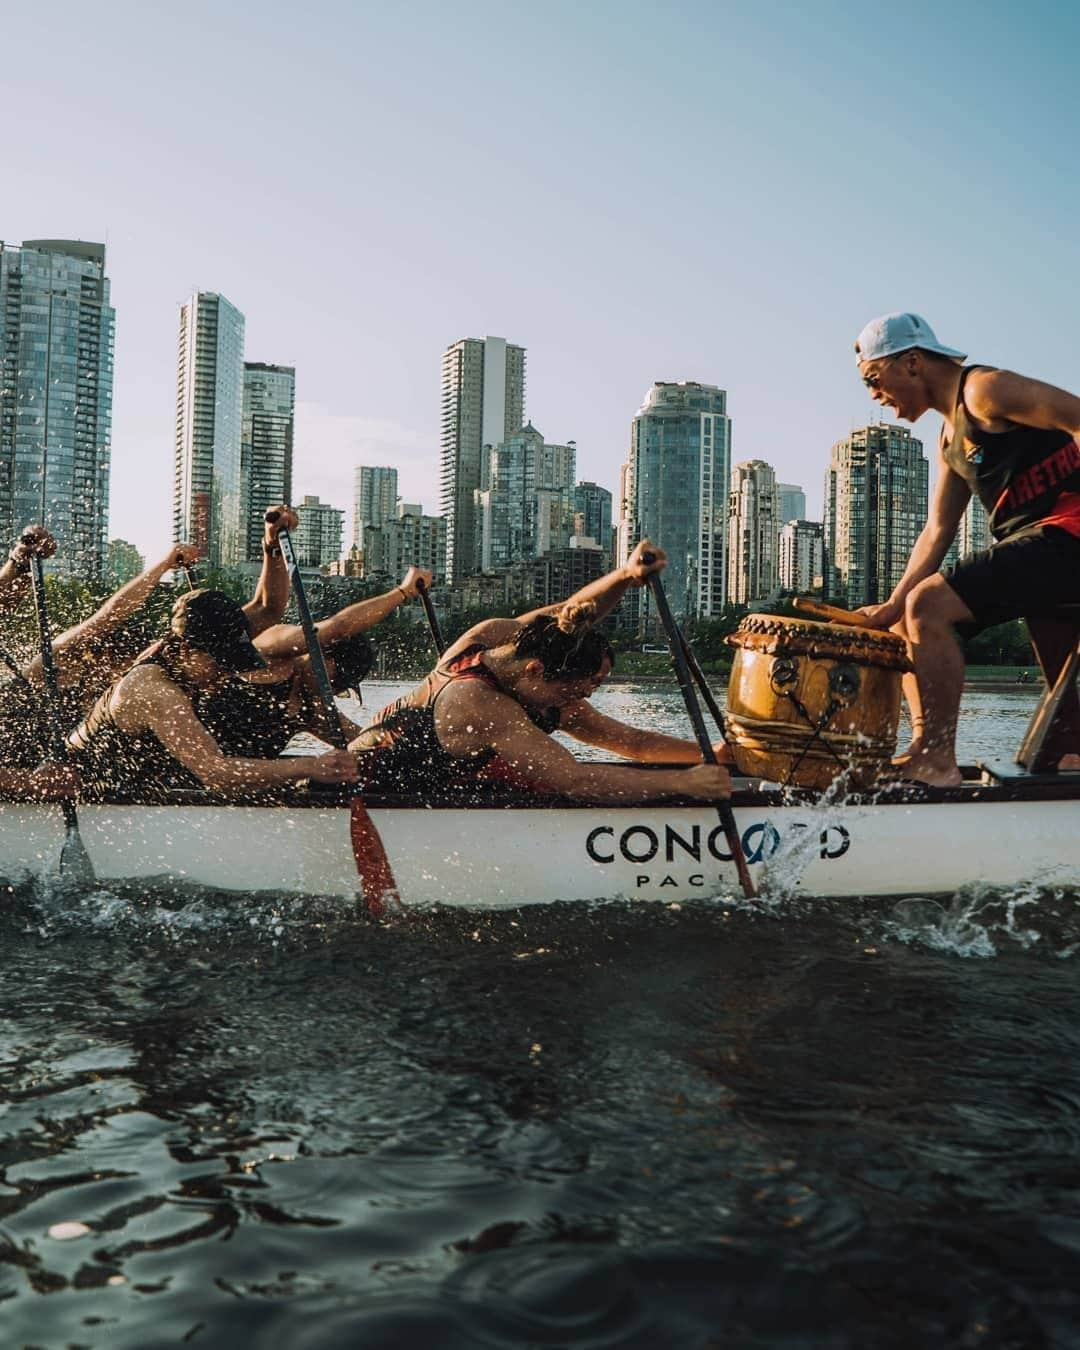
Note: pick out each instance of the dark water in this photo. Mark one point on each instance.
(845, 1124)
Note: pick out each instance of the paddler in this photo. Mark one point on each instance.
(144, 735)
(259, 713)
(1015, 443)
(91, 654)
(486, 713)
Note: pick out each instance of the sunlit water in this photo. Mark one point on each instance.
(233, 1121)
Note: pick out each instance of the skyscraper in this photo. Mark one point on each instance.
(266, 445)
(56, 380)
(792, 502)
(410, 539)
(483, 402)
(974, 533)
(801, 555)
(753, 532)
(207, 482)
(375, 492)
(875, 506)
(676, 492)
(593, 504)
(319, 534)
(528, 508)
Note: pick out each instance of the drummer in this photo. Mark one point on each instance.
(1015, 443)
(487, 711)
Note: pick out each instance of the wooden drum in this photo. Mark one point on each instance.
(808, 702)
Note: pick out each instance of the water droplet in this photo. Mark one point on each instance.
(64, 1232)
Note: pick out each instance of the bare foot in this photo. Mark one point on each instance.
(1069, 764)
(904, 757)
(933, 770)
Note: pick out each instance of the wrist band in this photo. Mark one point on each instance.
(271, 550)
(22, 565)
(404, 593)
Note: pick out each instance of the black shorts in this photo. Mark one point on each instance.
(1030, 575)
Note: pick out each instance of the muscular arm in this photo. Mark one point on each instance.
(606, 591)
(469, 719)
(267, 605)
(582, 721)
(994, 397)
(149, 701)
(68, 647)
(285, 640)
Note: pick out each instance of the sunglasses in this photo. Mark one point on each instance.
(874, 381)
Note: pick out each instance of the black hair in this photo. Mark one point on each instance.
(566, 643)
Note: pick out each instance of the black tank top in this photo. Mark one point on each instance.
(404, 750)
(252, 721)
(108, 759)
(1022, 476)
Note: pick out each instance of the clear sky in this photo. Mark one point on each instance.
(634, 192)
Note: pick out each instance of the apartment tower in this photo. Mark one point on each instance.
(266, 446)
(875, 507)
(483, 402)
(375, 494)
(208, 496)
(753, 533)
(675, 492)
(56, 383)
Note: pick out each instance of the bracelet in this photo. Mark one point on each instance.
(404, 593)
(271, 550)
(21, 565)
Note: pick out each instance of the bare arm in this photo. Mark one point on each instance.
(15, 573)
(68, 647)
(582, 721)
(284, 640)
(148, 700)
(606, 591)
(267, 605)
(995, 397)
(950, 501)
(469, 719)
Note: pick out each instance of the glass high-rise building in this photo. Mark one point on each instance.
(483, 402)
(753, 533)
(792, 502)
(375, 494)
(528, 509)
(675, 489)
(208, 486)
(266, 446)
(876, 496)
(592, 503)
(56, 382)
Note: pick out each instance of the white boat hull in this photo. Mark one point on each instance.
(487, 858)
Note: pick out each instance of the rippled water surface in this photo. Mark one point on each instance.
(232, 1121)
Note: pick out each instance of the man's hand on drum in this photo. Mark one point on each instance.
(881, 616)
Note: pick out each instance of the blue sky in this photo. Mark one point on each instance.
(632, 191)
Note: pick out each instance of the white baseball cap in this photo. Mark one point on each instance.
(892, 333)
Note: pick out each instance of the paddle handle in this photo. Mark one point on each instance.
(432, 618)
(830, 613)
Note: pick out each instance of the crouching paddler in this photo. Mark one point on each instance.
(486, 713)
(144, 735)
(259, 713)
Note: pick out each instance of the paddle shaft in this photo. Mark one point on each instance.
(336, 735)
(693, 708)
(703, 685)
(74, 850)
(432, 618)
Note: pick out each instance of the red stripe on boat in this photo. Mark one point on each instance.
(376, 875)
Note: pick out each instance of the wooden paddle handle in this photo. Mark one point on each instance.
(830, 613)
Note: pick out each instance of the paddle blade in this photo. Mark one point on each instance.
(75, 865)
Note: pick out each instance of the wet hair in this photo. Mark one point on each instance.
(353, 657)
(566, 643)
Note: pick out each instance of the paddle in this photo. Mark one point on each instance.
(74, 860)
(677, 645)
(368, 849)
(432, 618)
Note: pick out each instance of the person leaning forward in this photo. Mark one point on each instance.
(1015, 443)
